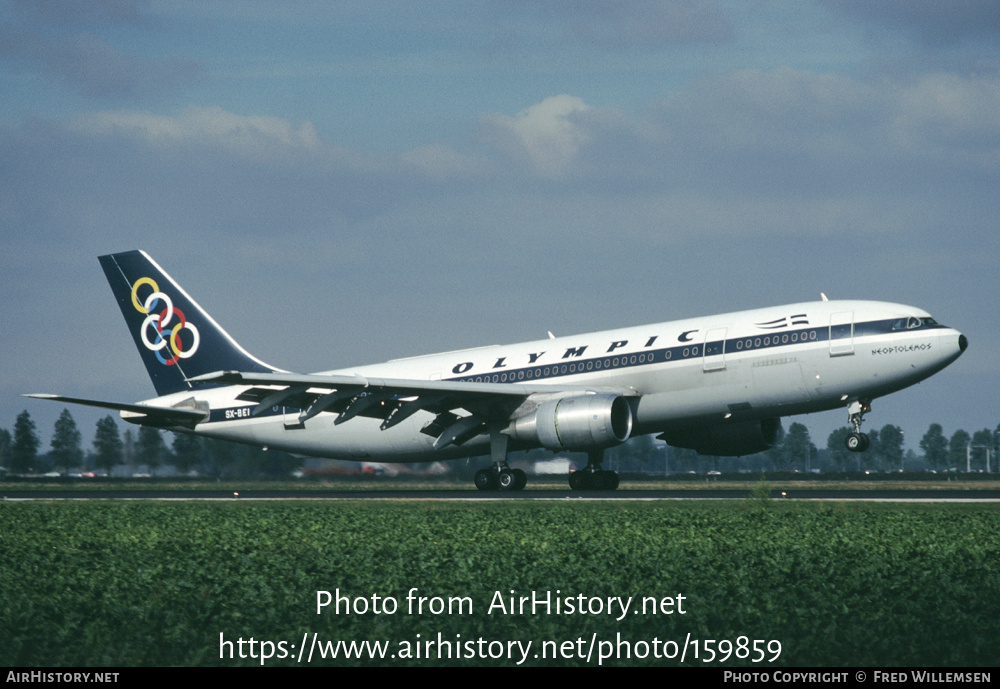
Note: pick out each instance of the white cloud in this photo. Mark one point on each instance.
(438, 162)
(271, 139)
(212, 125)
(945, 111)
(547, 133)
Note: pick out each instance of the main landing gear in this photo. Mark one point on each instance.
(593, 477)
(857, 441)
(500, 476)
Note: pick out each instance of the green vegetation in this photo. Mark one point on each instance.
(760, 494)
(148, 583)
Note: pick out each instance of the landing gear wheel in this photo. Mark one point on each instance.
(500, 476)
(593, 479)
(506, 480)
(857, 442)
(520, 479)
(603, 479)
(486, 480)
(599, 480)
(853, 442)
(609, 480)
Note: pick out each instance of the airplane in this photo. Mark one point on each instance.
(718, 384)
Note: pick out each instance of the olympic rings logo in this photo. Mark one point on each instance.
(157, 324)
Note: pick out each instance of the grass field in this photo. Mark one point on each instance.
(156, 583)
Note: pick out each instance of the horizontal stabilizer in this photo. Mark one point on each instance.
(142, 414)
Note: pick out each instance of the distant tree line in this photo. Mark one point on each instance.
(795, 451)
(141, 450)
(145, 449)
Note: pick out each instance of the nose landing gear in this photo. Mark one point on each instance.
(857, 441)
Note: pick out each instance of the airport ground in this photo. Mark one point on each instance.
(784, 485)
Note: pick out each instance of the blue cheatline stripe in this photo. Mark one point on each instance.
(686, 352)
(681, 353)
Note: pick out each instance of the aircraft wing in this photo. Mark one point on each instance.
(393, 400)
(401, 385)
(143, 414)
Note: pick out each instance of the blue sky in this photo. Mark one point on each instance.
(343, 183)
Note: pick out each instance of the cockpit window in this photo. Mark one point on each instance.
(912, 323)
(930, 322)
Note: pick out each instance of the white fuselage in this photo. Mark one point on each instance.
(749, 365)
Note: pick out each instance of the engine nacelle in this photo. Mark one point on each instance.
(577, 423)
(727, 439)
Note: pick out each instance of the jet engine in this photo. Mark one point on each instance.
(727, 439)
(577, 423)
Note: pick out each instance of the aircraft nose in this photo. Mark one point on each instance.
(963, 342)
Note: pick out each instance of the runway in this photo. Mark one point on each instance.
(897, 495)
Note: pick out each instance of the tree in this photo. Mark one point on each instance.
(982, 441)
(890, 446)
(128, 448)
(639, 454)
(682, 459)
(871, 457)
(935, 446)
(995, 455)
(66, 450)
(776, 453)
(188, 451)
(798, 447)
(5, 448)
(107, 444)
(151, 449)
(837, 446)
(24, 453)
(957, 448)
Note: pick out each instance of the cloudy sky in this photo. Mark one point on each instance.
(343, 183)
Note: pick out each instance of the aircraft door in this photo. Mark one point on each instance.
(714, 350)
(842, 333)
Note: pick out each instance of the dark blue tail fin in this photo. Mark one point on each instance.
(176, 339)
